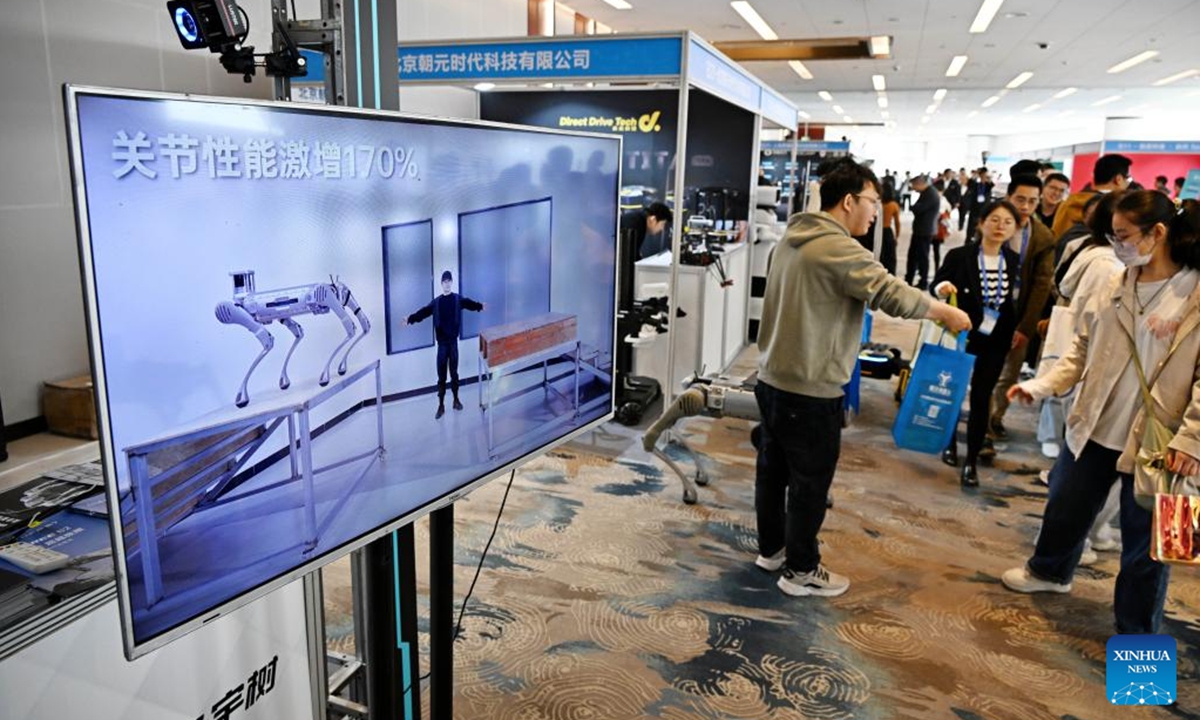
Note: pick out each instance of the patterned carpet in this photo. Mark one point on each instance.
(603, 596)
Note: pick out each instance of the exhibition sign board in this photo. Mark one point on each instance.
(1153, 147)
(595, 57)
(276, 297)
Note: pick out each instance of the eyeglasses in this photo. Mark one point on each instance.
(871, 199)
(1130, 240)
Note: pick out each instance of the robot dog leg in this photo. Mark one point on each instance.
(326, 297)
(298, 333)
(231, 314)
(711, 397)
(352, 305)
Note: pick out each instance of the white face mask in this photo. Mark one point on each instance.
(1128, 254)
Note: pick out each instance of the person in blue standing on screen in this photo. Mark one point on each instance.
(446, 310)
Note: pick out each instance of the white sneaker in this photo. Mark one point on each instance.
(1050, 449)
(1019, 580)
(1088, 558)
(773, 563)
(1106, 544)
(818, 582)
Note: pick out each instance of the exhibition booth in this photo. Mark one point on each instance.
(669, 96)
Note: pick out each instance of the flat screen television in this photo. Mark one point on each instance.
(312, 325)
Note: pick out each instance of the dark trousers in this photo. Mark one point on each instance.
(447, 358)
(800, 441)
(990, 352)
(1078, 489)
(972, 223)
(887, 253)
(918, 260)
(962, 218)
(937, 255)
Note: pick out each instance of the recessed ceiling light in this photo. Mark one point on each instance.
(1065, 92)
(880, 45)
(883, 101)
(800, 69)
(973, 113)
(1107, 100)
(939, 94)
(824, 95)
(803, 114)
(983, 18)
(931, 109)
(956, 65)
(1176, 76)
(754, 20)
(879, 82)
(924, 118)
(847, 118)
(990, 101)
(1031, 108)
(1019, 80)
(838, 109)
(1135, 60)
(619, 4)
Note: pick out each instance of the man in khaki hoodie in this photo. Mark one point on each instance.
(818, 284)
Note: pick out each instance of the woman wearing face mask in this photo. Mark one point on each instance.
(982, 275)
(1155, 303)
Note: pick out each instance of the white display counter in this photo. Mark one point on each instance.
(714, 331)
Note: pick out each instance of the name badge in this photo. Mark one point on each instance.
(980, 197)
(990, 317)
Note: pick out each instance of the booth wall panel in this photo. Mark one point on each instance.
(44, 44)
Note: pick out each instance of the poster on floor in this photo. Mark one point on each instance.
(309, 325)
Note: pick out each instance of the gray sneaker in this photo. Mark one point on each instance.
(773, 563)
(818, 582)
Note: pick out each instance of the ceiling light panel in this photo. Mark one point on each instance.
(800, 69)
(1135, 60)
(983, 18)
(1019, 80)
(754, 20)
(879, 82)
(619, 4)
(824, 95)
(1177, 76)
(956, 65)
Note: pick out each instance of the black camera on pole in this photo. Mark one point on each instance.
(222, 27)
(219, 25)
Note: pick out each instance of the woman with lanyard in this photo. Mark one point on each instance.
(982, 275)
(1149, 316)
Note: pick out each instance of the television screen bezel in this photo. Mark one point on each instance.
(71, 95)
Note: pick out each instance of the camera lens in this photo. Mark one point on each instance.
(186, 25)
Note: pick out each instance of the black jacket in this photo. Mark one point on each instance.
(925, 212)
(970, 198)
(961, 267)
(953, 192)
(447, 315)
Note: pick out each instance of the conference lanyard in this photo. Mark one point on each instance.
(993, 295)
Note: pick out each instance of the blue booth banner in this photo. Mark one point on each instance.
(778, 110)
(542, 59)
(812, 146)
(1167, 147)
(712, 71)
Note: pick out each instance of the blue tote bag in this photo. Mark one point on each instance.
(929, 412)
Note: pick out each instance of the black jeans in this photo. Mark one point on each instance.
(1078, 489)
(798, 453)
(990, 352)
(918, 260)
(447, 357)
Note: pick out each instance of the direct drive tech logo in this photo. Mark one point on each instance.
(1141, 670)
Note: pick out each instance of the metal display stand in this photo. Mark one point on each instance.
(489, 398)
(241, 440)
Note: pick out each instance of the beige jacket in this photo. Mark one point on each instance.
(819, 281)
(1098, 358)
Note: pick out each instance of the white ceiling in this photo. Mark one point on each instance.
(1083, 38)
